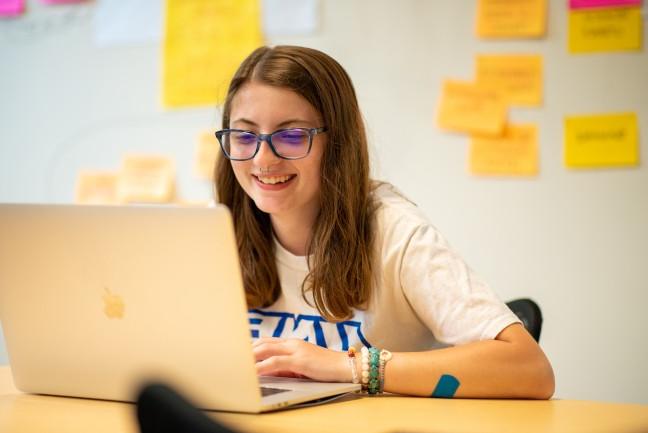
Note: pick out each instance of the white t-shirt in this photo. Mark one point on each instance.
(425, 297)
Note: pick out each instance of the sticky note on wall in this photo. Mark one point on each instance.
(607, 29)
(146, 179)
(96, 187)
(589, 4)
(519, 77)
(207, 152)
(468, 107)
(515, 153)
(204, 43)
(11, 8)
(511, 18)
(608, 140)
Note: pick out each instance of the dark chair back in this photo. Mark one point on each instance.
(529, 313)
(161, 409)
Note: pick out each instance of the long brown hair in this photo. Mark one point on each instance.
(340, 252)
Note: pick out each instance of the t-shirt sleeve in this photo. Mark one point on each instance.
(453, 302)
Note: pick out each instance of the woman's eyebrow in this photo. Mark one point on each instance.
(292, 122)
(244, 120)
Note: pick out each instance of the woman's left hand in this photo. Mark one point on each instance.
(292, 357)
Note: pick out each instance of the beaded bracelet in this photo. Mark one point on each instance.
(385, 356)
(364, 359)
(373, 363)
(374, 367)
(351, 355)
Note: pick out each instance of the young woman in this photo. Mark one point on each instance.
(332, 260)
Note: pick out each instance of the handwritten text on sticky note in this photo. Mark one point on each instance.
(511, 18)
(608, 29)
(468, 107)
(606, 140)
(519, 77)
(204, 43)
(515, 153)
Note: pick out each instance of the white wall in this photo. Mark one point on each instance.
(572, 240)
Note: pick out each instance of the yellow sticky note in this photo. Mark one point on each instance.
(519, 77)
(205, 41)
(208, 150)
(146, 179)
(96, 187)
(511, 18)
(605, 29)
(607, 140)
(515, 153)
(468, 107)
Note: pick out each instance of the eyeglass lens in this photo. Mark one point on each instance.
(289, 143)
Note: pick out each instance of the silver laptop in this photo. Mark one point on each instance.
(96, 301)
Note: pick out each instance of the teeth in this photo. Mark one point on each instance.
(271, 180)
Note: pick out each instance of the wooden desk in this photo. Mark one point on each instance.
(21, 413)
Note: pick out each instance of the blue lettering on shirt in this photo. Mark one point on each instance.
(311, 328)
(255, 321)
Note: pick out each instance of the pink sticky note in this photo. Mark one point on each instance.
(11, 8)
(589, 4)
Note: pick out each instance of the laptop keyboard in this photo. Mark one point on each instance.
(266, 391)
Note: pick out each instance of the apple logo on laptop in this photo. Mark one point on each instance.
(113, 305)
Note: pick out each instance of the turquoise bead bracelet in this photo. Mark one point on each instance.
(373, 369)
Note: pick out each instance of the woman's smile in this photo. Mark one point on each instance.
(273, 182)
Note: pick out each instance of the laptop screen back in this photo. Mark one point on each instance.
(95, 301)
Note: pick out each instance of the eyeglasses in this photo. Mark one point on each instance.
(291, 143)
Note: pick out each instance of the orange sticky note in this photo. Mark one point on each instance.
(605, 29)
(146, 179)
(519, 77)
(96, 187)
(468, 107)
(605, 140)
(515, 153)
(207, 152)
(204, 43)
(511, 18)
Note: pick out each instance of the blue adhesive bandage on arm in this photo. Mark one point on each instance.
(446, 387)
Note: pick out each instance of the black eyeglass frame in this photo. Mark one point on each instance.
(268, 137)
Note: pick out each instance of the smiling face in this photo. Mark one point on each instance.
(283, 188)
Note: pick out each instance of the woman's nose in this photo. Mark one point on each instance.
(265, 157)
